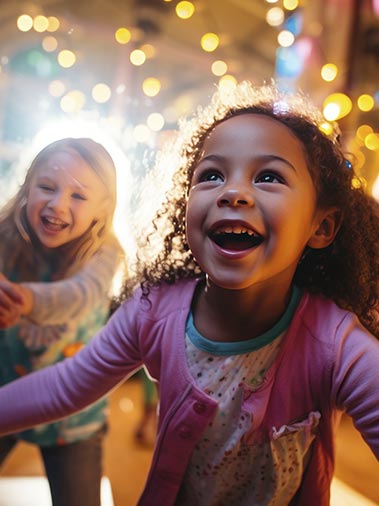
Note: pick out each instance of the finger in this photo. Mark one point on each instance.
(12, 291)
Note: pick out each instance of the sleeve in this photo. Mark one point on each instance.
(73, 384)
(73, 298)
(356, 380)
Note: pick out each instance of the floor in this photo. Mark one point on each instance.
(127, 461)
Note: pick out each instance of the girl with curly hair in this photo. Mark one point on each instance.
(256, 317)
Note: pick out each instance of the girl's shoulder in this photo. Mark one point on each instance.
(324, 319)
(166, 298)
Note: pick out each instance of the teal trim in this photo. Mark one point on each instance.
(241, 347)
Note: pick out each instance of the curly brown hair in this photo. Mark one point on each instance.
(346, 272)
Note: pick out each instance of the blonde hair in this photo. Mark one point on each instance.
(15, 232)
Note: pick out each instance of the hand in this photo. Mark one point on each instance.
(15, 301)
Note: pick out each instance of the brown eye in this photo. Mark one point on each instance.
(269, 177)
(210, 176)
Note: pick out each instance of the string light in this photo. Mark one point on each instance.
(24, 23)
(66, 58)
(122, 35)
(365, 102)
(151, 86)
(137, 57)
(209, 42)
(329, 72)
(185, 10)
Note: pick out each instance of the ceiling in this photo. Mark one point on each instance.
(341, 31)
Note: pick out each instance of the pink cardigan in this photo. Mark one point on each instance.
(327, 363)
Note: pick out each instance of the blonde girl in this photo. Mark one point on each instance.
(58, 256)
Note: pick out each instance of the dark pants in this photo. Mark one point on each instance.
(74, 470)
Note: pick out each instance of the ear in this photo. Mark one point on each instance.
(329, 223)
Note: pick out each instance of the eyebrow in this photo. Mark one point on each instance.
(75, 186)
(261, 158)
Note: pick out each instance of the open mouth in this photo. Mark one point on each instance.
(236, 238)
(53, 224)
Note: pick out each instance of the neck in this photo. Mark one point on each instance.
(238, 315)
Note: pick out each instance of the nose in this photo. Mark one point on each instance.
(58, 202)
(236, 196)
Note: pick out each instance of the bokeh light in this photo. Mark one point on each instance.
(49, 43)
(137, 57)
(53, 24)
(209, 42)
(40, 23)
(101, 93)
(66, 58)
(219, 68)
(123, 35)
(275, 16)
(151, 86)
(286, 38)
(336, 106)
(184, 10)
(329, 72)
(365, 102)
(24, 23)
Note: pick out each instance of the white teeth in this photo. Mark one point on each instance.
(235, 229)
(54, 221)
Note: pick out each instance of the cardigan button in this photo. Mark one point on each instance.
(199, 408)
(185, 433)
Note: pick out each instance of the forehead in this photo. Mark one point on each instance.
(258, 132)
(67, 167)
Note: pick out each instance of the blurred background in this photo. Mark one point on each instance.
(125, 71)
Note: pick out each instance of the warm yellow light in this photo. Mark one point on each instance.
(73, 101)
(137, 57)
(219, 68)
(326, 128)
(336, 106)
(363, 131)
(56, 88)
(329, 72)
(123, 35)
(101, 93)
(24, 23)
(358, 182)
(66, 58)
(184, 10)
(151, 86)
(372, 141)
(285, 38)
(275, 16)
(290, 5)
(365, 102)
(227, 83)
(40, 23)
(209, 42)
(53, 24)
(375, 189)
(49, 43)
(155, 121)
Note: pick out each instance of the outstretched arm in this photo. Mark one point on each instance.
(69, 386)
(75, 297)
(56, 302)
(356, 381)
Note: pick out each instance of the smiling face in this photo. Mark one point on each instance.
(65, 198)
(252, 205)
